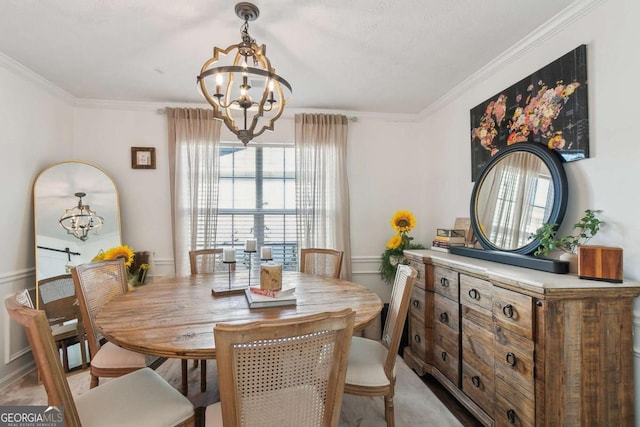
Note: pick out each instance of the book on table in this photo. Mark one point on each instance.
(256, 300)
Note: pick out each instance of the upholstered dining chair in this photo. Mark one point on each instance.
(57, 297)
(285, 372)
(139, 398)
(371, 370)
(325, 262)
(96, 283)
(201, 261)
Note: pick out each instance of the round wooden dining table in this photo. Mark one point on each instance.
(175, 317)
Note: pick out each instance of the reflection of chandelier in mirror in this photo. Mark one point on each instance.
(257, 100)
(80, 220)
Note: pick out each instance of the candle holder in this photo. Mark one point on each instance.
(229, 265)
(249, 252)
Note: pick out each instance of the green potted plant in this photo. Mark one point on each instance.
(402, 222)
(587, 227)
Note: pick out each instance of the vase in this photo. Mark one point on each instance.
(572, 259)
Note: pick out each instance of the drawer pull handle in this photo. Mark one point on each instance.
(416, 303)
(444, 317)
(476, 381)
(474, 294)
(511, 359)
(416, 338)
(443, 355)
(444, 282)
(511, 416)
(507, 310)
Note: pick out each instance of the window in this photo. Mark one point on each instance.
(510, 201)
(257, 199)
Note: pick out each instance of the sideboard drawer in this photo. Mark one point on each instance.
(513, 311)
(478, 341)
(478, 386)
(514, 358)
(448, 363)
(476, 292)
(420, 278)
(445, 282)
(417, 338)
(513, 408)
(446, 312)
(416, 303)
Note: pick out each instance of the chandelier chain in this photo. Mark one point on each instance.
(246, 38)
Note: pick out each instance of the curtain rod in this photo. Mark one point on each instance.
(353, 119)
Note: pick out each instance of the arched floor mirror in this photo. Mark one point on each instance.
(55, 192)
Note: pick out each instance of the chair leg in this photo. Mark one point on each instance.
(185, 382)
(195, 363)
(94, 381)
(203, 375)
(388, 411)
(83, 352)
(65, 355)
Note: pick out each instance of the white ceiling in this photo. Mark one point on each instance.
(386, 56)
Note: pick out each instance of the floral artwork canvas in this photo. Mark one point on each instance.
(548, 107)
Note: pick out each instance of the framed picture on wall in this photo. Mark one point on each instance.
(143, 157)
(548, 107)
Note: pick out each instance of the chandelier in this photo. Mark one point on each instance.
(248, 94)
(80, 220)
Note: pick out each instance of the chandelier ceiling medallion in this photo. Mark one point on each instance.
(247, 93)
(80, 220)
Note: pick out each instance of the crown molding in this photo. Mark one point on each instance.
(30, 75)
(553, 26)
(288, 113)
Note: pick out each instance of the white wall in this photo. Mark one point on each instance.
(605, 180)
(36, 122)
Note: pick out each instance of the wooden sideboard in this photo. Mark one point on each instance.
(523, 347)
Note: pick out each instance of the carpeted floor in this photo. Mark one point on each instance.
(415, 404)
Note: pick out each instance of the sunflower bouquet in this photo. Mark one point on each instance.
(135, 278)
(402, 222)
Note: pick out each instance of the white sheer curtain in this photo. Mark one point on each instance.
(194, 144)
(322, 188)
(511, 203)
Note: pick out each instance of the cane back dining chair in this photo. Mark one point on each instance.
(285, 372)
(57, 297)
(201, 261)
(96, 283)
(141, 398)
(324, 262)
(371, 370)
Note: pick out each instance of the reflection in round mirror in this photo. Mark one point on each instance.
(54, 193)
(518, 190)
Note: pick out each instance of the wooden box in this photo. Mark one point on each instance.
(600, 263)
